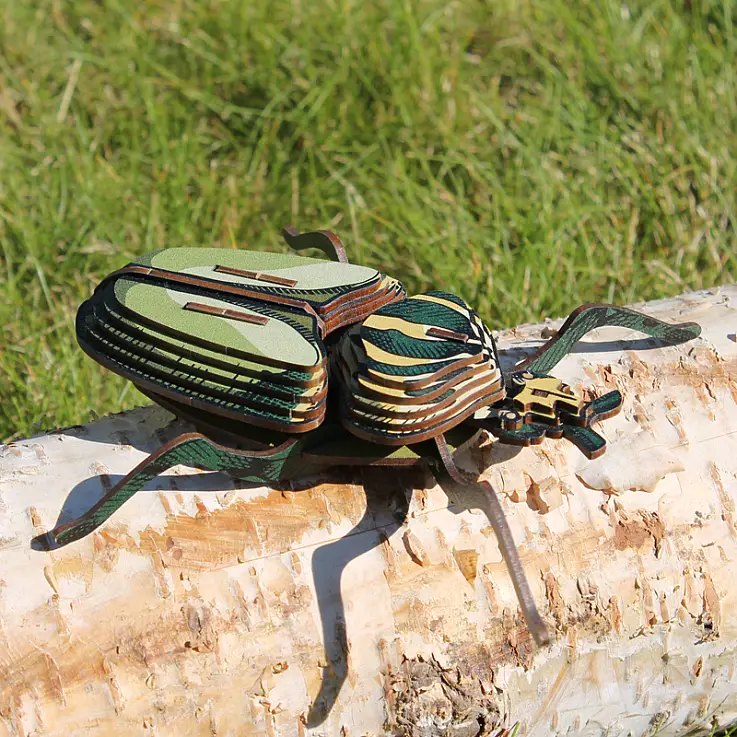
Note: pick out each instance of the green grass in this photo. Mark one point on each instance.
(526, 155)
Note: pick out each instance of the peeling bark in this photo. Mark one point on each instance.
(370, 602)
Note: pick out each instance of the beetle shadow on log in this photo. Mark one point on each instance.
(388, 496)
(511, 355)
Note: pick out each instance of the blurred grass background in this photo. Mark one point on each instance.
(527, 155)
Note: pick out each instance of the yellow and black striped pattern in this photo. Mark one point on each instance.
(416, 368)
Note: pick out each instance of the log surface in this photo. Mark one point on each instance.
(371, 602)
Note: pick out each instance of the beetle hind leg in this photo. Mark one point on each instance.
(188, 449)
(181, 449)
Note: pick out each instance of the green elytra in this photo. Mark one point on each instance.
(273, 357)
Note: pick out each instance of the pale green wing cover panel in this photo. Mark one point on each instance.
(289, 274)
(238, 334)
(276, 339)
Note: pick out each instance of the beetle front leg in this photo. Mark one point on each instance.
(586, 318)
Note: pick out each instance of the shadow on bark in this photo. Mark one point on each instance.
(388, 496)
(387, 504)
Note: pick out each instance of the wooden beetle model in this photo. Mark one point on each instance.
(244, 344)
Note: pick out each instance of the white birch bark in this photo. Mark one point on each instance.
(200, 607)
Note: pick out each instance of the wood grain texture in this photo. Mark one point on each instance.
(377, 602)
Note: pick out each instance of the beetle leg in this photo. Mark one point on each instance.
(591, 316)
(189, 449)
(535, 623)
(158, 462)
(531, 433)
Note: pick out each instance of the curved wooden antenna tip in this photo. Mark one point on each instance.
(324, 240)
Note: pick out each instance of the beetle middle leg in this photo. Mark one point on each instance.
(498, 520)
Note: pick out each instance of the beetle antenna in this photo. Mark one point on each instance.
(324, 240)
(534, 621)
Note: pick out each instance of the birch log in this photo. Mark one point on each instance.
(376, 602)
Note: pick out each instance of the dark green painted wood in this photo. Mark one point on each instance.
(416, 368)
(322, 240)
(197, 451)
(289, 459)
(589, 317)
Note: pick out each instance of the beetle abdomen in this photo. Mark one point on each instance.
(238, 334)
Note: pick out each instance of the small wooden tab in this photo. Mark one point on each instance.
(435, 332)
(258, 276)
(228, 314)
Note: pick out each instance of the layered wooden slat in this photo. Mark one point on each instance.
(232, 333)
(337, 294)
(415, 369)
